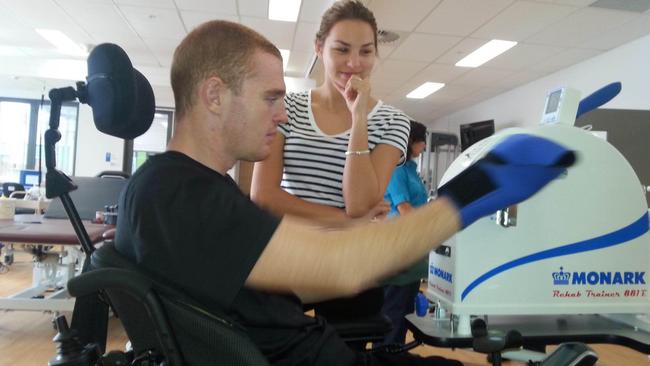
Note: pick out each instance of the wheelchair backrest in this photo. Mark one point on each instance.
(189, 331)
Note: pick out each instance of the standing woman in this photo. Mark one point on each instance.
(404, 193)
(333, 159)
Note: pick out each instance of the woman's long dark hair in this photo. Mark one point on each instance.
(418, 134)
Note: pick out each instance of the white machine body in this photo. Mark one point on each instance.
(581, 245)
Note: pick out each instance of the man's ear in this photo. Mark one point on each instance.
(212, 93)
(318, 48)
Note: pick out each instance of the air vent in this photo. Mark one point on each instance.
(385, 36)
(636, 6)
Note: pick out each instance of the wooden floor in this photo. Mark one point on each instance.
(26, 337)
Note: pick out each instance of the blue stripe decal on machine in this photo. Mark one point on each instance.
(632, 231)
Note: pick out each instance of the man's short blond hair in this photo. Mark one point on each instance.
(216, 48)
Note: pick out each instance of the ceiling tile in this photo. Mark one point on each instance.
(384, 50)
(565, 59)
(192, 19)
(578, 3)
(45, 14)
(482, 76)
(382, 89)
(440, 73)
(254, 8)
(414, 108)
(461, 17)
(448, 93)
(617, 36)
(518, 78)
(105, 2)
(157, 75)
(41, 52)
(452, 93)
(142, 57)
(280, 33)
(397, 70)
(215, 6)
(438, 113)
(102, 21)
(522, 19)
(305, 35)
(10, 22)
(391, 75)
(311, 11)
(163, 49)
(522, 56)
(401, 15)
(165, 4)
(581, 26)
(462, 49)
(422, 110)
(638, 6)
(24, 37)
(481, 95)
(424, 47)
(154, 22)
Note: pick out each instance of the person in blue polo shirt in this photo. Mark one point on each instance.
(405, 192)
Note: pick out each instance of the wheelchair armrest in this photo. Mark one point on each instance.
(370, 326)
(87, 283)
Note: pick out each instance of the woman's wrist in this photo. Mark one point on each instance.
(359, 118)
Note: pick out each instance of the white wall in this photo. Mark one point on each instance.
(92, 147)
(522, 106)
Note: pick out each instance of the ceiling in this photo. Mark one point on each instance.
(434, 35)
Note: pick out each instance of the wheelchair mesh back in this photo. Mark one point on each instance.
(208, 340)
(136, 321)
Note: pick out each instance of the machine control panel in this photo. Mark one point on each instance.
(561, 106)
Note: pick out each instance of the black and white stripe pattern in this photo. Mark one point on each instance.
(314, 162)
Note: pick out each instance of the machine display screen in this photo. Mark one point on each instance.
(553, 101)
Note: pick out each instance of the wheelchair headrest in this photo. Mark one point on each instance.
(121, 97)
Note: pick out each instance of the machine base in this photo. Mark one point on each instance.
(536, 330)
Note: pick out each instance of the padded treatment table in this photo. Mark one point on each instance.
(52, 268)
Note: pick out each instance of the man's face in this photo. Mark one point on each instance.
(256, 111)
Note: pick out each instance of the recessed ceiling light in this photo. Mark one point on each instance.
(425, 90)
(62, 42)
(285, 58)
(284, 10)
(485, 53)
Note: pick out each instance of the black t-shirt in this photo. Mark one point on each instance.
(192, 227)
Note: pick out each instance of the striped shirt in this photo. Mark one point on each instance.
(314, 161)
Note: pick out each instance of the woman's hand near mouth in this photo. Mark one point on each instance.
(357, 97)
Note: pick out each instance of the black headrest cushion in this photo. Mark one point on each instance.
(121, 97)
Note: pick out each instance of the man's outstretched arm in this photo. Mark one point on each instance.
(316, 265)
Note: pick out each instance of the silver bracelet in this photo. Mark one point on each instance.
(358, 152)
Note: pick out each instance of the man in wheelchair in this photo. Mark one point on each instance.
(184, 221)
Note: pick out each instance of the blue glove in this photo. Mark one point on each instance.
(511, 172)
